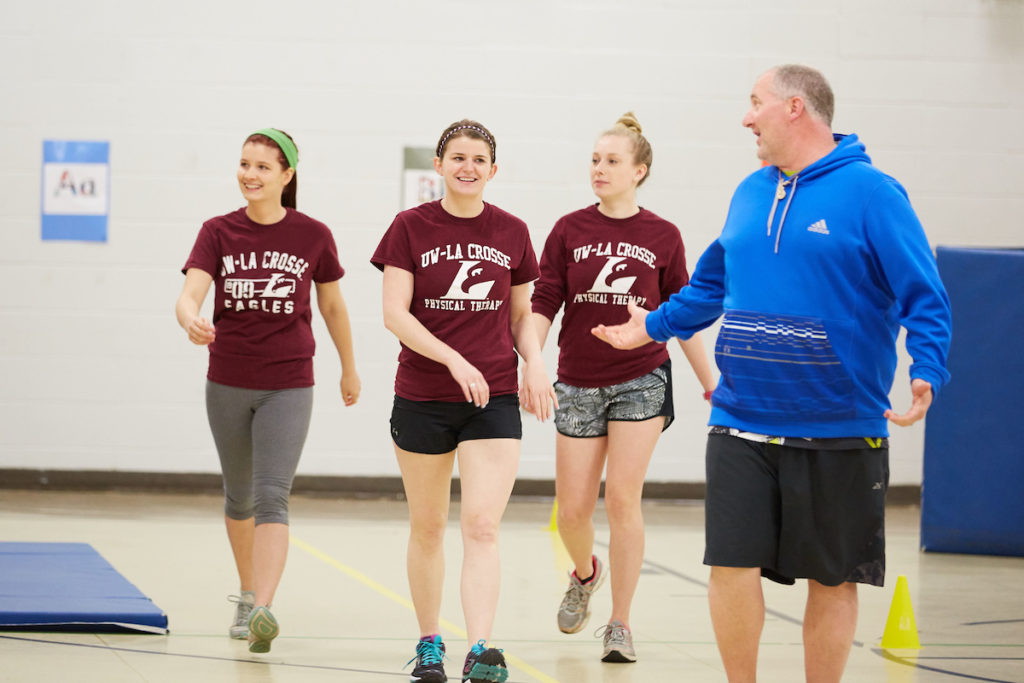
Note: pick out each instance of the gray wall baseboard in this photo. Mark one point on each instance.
(344, 487)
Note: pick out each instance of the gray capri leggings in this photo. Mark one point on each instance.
(259, 436)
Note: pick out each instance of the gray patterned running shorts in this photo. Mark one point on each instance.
(586, 411)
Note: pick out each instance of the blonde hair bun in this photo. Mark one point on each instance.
(629, 122)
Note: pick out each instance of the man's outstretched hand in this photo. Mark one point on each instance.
(630, 334)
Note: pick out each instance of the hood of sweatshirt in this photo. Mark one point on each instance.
(849, 149)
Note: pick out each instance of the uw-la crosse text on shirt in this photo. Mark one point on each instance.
(262, 275)
(463, 271)
(594, 266)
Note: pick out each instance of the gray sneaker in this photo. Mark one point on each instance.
(618, 643)
(574, 611)
(263, 628)
(239, 630)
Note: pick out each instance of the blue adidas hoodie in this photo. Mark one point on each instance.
(815, 274)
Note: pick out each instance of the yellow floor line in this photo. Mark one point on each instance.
(529, 670)
(395, 597)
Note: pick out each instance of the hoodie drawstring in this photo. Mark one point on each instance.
(780, 192)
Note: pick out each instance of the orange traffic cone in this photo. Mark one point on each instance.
(900, 627)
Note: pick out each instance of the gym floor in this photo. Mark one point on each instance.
(345, 613)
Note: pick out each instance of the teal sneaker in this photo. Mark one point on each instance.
(430, 655)
(484, 665)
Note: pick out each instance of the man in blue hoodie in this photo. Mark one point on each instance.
(821, 261)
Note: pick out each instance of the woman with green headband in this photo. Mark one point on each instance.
(262, 261)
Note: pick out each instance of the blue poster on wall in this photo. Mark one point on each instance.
(76, 190)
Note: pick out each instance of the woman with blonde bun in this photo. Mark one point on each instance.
(612, 404)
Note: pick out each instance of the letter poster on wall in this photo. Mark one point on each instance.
(76, 190)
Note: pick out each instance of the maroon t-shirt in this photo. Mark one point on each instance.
(595, 265)
(262, 276)
(463, 271)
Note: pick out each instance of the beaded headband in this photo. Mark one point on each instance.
(453, 131)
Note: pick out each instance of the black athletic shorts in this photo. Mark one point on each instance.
(439, 426)
(798, 511)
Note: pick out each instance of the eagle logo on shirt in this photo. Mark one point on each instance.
(275, 287)
(616, 276)
(471, 282)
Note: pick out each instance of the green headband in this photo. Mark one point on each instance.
(284, 142)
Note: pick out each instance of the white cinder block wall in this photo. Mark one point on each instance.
(95, 373)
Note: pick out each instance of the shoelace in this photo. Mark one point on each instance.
(574, 597)
(428, 652)
(240, 600)
(243, 608)
(474, 654)
(612, 633)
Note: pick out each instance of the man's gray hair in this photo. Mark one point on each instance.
(810, 84)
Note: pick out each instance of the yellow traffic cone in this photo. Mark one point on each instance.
(900, 627)
(563, 563)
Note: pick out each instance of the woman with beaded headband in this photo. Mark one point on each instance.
(457, 274)
(613, 404)
(262, 261)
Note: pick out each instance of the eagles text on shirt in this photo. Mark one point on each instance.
(271, 294)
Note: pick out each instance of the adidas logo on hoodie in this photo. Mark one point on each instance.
(818, 227)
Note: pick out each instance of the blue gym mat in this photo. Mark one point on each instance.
(70, 587)
(971, 498)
